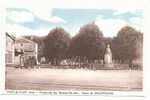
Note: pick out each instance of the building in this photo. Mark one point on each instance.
(9, 54)
(25, 48)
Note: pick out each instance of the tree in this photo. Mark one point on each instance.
(56, 45)
(128, 44)
(87, 43)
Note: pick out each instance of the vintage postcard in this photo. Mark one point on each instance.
(74, 47)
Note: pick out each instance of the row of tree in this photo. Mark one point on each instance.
(90, 44)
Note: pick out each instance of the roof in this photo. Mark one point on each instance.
(24, 40)
(11, 36)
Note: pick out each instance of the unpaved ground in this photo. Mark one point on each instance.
(73, 79)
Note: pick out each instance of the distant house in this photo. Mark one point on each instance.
(9, 53)
(27, 48)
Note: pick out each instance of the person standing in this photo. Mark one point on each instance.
(21, 61)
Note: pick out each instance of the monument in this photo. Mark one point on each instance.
(108, 57)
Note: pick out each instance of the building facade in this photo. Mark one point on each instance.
(27, 49)
(9, 50)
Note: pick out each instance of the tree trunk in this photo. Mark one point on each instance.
(130, 63)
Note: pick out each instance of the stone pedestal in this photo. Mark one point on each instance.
(109, 65)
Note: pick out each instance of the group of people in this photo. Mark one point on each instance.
(29, 62)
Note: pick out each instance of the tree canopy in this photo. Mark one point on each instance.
(128, 44)
(88, 42)
(56, 44)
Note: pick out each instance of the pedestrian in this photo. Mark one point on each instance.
(21, 61)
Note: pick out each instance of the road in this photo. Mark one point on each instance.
(73, 79)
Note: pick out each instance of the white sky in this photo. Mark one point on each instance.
(41, 8)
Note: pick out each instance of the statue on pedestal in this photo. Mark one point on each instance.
(108, 57)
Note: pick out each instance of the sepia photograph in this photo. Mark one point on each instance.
(64, 46)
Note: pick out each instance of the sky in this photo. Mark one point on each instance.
(39, 17)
